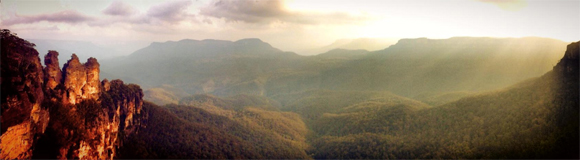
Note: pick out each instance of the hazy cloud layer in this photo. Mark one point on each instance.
(289, 25)
(118, 8)
(168, 12)
(247, 11)
(40, 28)
(172, 11)
(267, 11)
(69, 16)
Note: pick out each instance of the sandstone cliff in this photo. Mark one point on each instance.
(69, 113)
(52, 72)
(23, 119)
(81, 81)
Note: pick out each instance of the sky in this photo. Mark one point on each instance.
(290, 25)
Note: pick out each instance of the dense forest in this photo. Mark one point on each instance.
(521, 122)
(213, 129)
(289, 79)
(532, 119)
(535, 118)
(243, 103)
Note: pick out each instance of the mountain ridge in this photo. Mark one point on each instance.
(212, 43)
(537, 118)
(289, 106)
(461, 65)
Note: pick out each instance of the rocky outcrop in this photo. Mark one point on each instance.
(52, 72)
(67, 112)
(23, 120)
(123, 103)
(569, 63)
(572, 51)
(53, 77)
(92, 89)
(75, 79)
(119, 103)
(81, 81)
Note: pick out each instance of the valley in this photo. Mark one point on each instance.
(463, 97)
(289, 79)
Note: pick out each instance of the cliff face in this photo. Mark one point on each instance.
(52, 72)
(82, 116)
(117, 104)
(23, 119)
(103, 134)
(569, 63)
(81, 81)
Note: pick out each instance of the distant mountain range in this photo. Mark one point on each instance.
(415, 66)
(412, 67)
(369, 44)
(86, 49)
(533, 118)
(463, 97)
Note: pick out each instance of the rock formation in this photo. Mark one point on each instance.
(52, 72)
(82, 116)
(123, 103)
(81, 81)
(573, 51)
(92, 88)
(569, 63)
(23, 119)
(75, 79)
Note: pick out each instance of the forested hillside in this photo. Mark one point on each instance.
(201, 66)
(430, 66)
(436, 72)
(537, 118)
(289, 79)
(315, 104)
(301, 110)
(209, 127)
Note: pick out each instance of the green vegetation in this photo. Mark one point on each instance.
(218, 128)
(333, 106)
(418, 66)
(311, 105)
(536, 118)
(164, 94)
(533, 119)
(274, 134)
(168, 136)
(225, 68)
(436, 99)
(525, 121)
(237, 102)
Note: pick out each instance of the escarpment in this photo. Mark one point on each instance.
(63, 113)
(569, 63)
(23, 119)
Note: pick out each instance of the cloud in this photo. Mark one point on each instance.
(268, 11)
(172, 11)
(68, 16)
(247, 11)
(510, 5)
(168, 12)
(118, 8)
(38, 28)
